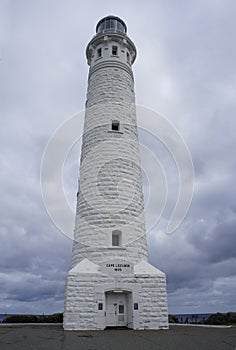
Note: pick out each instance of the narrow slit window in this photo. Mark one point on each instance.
(116, 238)
(128, 57)
(99, 52)
(115, 125)
(114, 50)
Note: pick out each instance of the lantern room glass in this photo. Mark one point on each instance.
(111, 23)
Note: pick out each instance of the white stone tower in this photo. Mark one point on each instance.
(111, 283)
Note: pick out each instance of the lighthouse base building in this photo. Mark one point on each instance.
(115, 293)
(111, 283)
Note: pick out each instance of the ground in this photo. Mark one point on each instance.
(45, 337)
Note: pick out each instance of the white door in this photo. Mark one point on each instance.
(116, 309)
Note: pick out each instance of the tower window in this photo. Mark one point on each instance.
(115, 125)
(116, 238)
(128, 57)
(99, 52)
(114, 50)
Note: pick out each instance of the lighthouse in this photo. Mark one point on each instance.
(111, 283)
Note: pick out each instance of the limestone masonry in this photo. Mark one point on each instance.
(111, 283)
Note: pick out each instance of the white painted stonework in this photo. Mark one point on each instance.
(111, 283)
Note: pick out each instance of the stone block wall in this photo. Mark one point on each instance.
(110, 193)
(153, 301)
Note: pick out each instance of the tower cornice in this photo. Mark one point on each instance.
(107, 36)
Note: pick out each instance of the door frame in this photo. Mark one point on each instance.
(127, 308)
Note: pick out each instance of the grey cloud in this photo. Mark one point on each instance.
(218, 243)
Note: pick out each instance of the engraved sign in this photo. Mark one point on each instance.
(117, 267)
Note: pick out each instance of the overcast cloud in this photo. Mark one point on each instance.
(185, 70)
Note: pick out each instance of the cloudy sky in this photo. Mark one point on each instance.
(185, 70)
